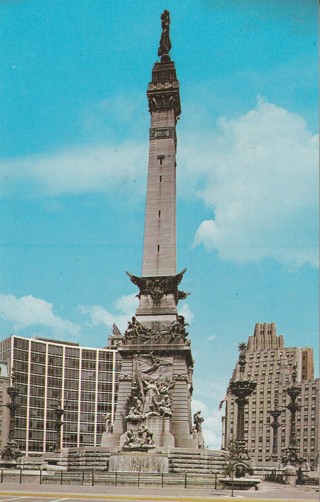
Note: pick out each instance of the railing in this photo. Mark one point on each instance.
(303, 478)
(274, 477)
(95, 478)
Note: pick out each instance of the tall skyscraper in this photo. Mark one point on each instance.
(270, 364)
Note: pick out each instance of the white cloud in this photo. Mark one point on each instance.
(211, 338)
(125, 308)
(29, 311)
(124, 107)
(259, 177)
(77, 170)
(186, 312)
(257, 174)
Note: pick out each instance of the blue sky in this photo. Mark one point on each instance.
(74, 148)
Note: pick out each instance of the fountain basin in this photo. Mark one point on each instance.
(134, 461)
(240, 483)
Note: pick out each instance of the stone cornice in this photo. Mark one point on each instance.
(159, 286)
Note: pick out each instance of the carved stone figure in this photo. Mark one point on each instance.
(165, 406)
(151, 395)
(157, 287)
(142, 440)
(107, 420)
(173, 333)
(135, 411)
(165, 44)
(156, 363)
(197, 420)
(178, 329)
(148, 437)
(115, 330)
(129, 441)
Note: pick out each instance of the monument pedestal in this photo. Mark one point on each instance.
(138, 462)
(109, 440)
(160, 426)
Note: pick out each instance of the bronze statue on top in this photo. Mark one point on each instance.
(165, 44)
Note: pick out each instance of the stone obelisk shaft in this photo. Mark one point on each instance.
(159, 252)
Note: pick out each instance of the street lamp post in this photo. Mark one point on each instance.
(241, 389)
(11, 450)
(275, 413)
(292, 454)
(58, 411)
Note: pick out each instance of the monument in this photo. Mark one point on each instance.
(152, 428)
(155, 384)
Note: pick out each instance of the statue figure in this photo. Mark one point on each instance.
(178, 329)
(197, 420)
(135, 411)
(142, 440)
(151, 394)
(107, 420)
(148, 437)
(165, 406)
(129, 441)
(130, 332)
(165, 387)
(165, 44)
(152, 412)
(136, 329)
(156, 363)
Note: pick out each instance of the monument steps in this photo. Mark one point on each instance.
(179, 460)
(205, 462)
(86, 459)
(31, 463)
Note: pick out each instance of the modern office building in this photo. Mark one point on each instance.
(49, 373)
(269, 364)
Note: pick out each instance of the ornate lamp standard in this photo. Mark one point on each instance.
(241, 389)
(58, 411)
(275, 413)
(11, 451)
(292, 456)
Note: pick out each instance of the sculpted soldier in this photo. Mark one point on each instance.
(165, 44)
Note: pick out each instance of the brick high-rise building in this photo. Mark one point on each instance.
(269, 364)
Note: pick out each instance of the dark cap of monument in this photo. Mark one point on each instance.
(165, 44)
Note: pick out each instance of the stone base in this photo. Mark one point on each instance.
(199, 439)
(138, 462)
(160, 426)
(290, 475)
(109, 440)
(8, 464)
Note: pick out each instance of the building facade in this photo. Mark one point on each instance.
(49, 373)
(269, 364)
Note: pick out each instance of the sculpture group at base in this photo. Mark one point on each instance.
(150, 392)
(141, 440)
